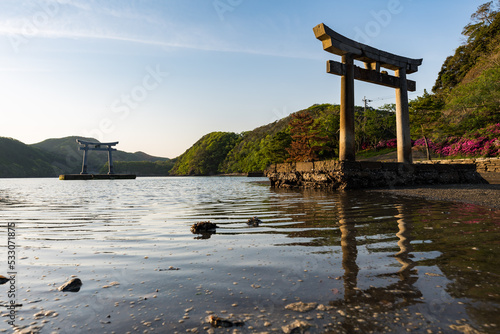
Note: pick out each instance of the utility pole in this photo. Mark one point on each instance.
(365, 101)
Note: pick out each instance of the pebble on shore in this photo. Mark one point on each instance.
(254, 221)
(72, 285)
(3, 279)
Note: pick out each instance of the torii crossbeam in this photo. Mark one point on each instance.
(87, 145)
(373, 59)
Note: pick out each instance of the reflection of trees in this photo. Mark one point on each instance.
(469, 248)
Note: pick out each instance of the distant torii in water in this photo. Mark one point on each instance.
(87, 145)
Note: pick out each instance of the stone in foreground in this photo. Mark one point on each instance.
(216, 321)
(3, 279)
(301, 306)
(72, 285)
(254, 221)
(296, 327)
(203, 227)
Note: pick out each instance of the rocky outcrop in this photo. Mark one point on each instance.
(334, 174)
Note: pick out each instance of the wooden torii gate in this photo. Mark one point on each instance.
(87, 145)
(373, 59)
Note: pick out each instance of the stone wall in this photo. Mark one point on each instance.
(489, 165)
(334, 174)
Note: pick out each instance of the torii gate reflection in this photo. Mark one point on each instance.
(399, 294)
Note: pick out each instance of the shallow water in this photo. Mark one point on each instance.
(372, 262)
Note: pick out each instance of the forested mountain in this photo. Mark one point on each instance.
(20, 160)
(52, 157)
(66, 155)
(254, 150)
(466, 95)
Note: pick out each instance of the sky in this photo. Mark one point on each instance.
(158, 75)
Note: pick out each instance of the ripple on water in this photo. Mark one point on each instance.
(377, 264)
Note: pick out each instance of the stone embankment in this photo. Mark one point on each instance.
(489, 168)
(334, 174)
(489, 165)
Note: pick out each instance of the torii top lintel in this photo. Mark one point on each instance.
(84, 142)
(340, 45)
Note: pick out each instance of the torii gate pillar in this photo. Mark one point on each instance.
(403, 119)
(347, 145)
(373, 59)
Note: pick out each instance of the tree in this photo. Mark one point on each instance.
(482, 38)
(206, 156)
(425, 113)
(379, 124)
(306, 141)
(484, 14)
(276, 149)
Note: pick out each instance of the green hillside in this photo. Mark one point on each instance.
(52, 157)
(267, 144)
(141, 168)
(206, 155)
(253, 151)
(466, 95)
(66, 155)
(20, 160)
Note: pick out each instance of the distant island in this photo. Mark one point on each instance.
(459, 118)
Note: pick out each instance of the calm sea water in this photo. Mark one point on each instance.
(371, 262)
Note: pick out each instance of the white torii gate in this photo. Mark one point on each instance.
(87, 145)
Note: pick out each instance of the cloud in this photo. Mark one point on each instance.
(129, 21)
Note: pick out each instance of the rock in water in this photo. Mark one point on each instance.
(215, 321)
(3, 279)
(254, 221)
(72, 285)
(301, 306)
(296, 327)
(203, 227)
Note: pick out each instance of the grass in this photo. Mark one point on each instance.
(374, 153)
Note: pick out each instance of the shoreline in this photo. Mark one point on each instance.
(487, 195)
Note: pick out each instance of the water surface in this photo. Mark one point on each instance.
(371, 262)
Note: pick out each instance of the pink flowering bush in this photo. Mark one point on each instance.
(365, 146)
(391, 143)
(483, 142)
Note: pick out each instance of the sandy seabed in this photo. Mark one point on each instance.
(480, 194)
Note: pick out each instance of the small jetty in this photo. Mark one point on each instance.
(86, 146)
